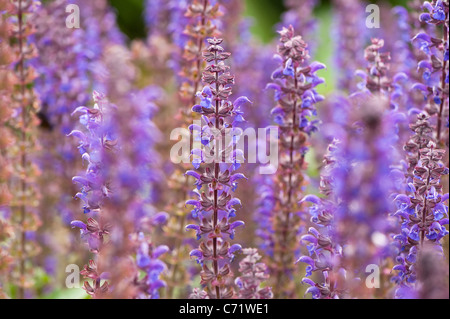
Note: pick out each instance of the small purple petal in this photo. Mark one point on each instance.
(160, 218)
(308, 282)
(81, 180)
(236, 224)
(237, 176)
(79, 224)
(311, 198)
(234, 248)
(306, 259)
(160, 250)
(315, 66)
(193, 174)
(240, 101)
(196, 253)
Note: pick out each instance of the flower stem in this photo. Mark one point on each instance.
(288, 208)
(216, 177)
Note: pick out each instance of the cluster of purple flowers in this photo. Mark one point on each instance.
(422, 211)
(254, 273)
(294, 83)
(321, 240)
(147, 260)
(214, 169)
(97, 139)
(63, 66)
(348, 30)
(119, 199)
(435, 66)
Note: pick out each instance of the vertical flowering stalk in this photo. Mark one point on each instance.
(116, 191)
(437, 62)
(251, 60)
(129, 208)
(62, 85)
(423, 213)
(403, 59)
(200, 27)
(177, 23)
(295, 93)
(423, 135)
(265, 207)
(94, 186)
(147, 261)
(24, 121)
(6, 77)
(253, 274)
(99, 30)
(71, 62)
(200, 16)
(325, 251)
(6, 141)
(376, 78)
(214, 206)
(301, 16)
(349, 41)
(408, 55)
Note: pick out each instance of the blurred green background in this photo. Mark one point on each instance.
(265, 13)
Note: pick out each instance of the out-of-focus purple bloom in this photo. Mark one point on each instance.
(349, 38)
(253, 274)
(435, 65)
(128, 169)
(325, 251)
(147, 260)
(63, 83)
(376, 78)
(99, 31)
(155, 13)
(300, 15)
(362, 184)
(436, 14)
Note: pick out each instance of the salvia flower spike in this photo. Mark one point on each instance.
(199, 17)
(215, 206)
(26, 105)
(294, 83)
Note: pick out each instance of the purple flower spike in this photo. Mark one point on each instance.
(295, 83)
(215, 206)
(253, 274)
